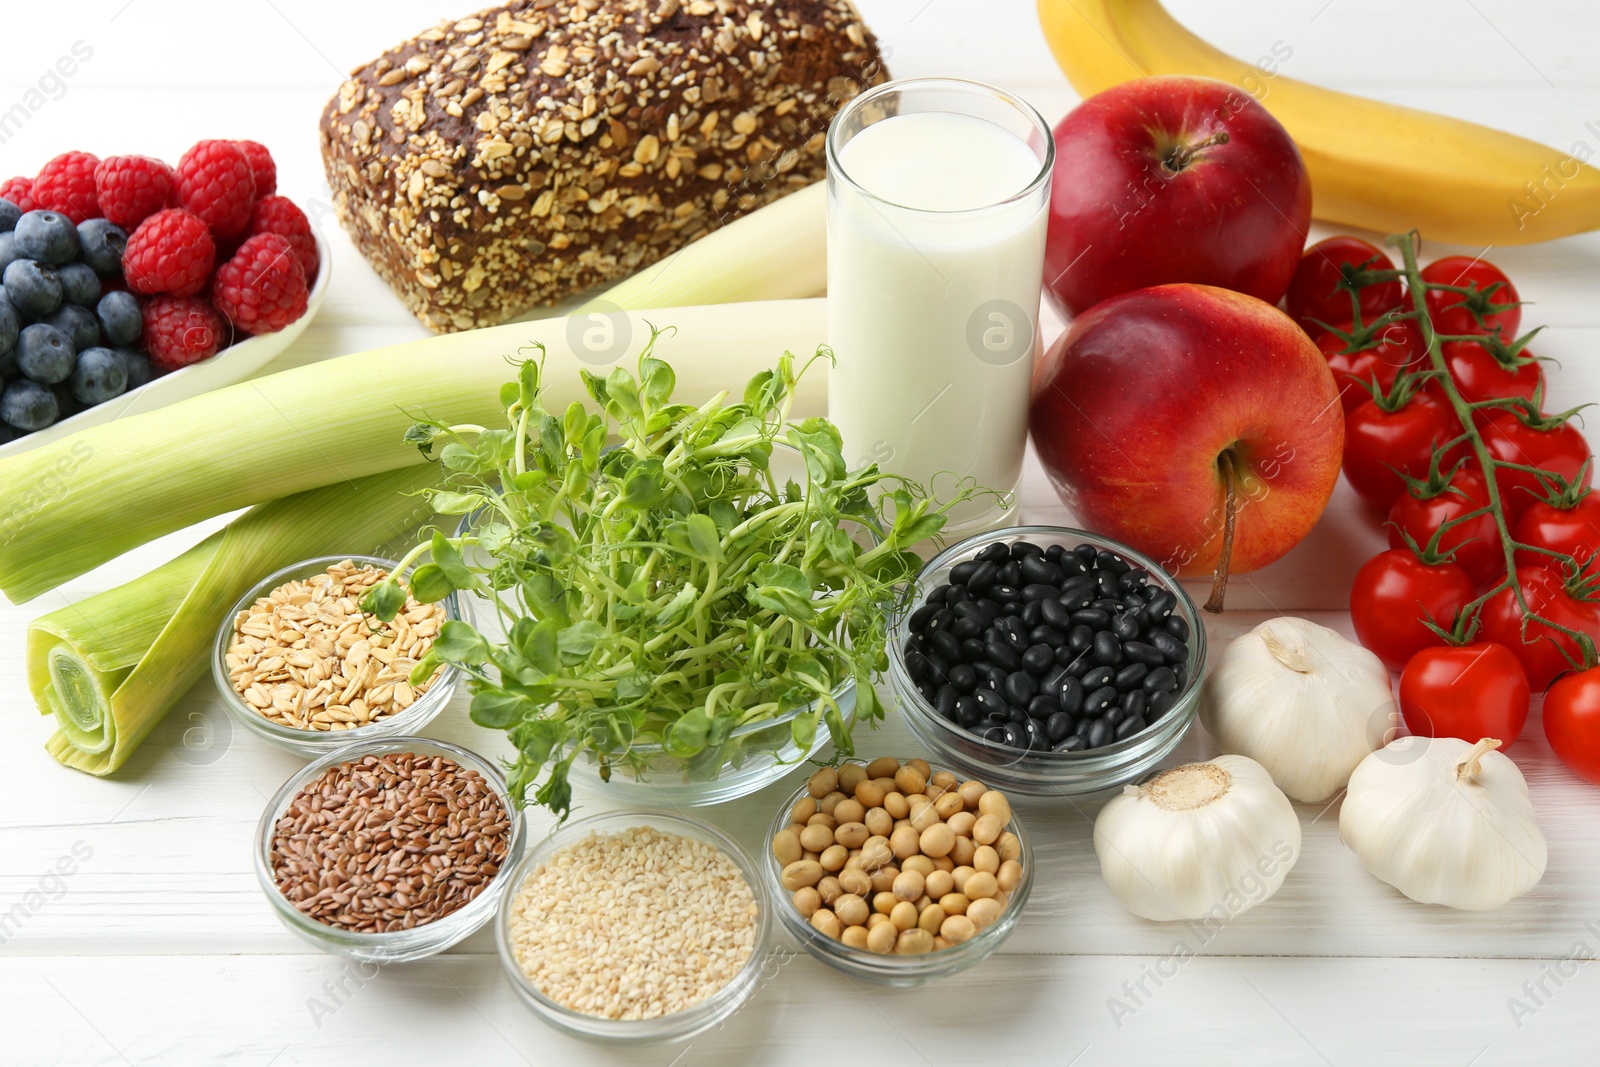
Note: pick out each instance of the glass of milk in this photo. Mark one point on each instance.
(938, 195)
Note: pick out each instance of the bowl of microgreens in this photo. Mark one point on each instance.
(674, 615)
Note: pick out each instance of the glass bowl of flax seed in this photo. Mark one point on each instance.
(298, 663)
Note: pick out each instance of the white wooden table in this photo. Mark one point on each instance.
(158, 948)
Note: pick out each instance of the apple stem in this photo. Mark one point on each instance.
(1230, 509)
(1181, 155)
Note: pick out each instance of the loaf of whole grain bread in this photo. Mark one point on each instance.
(517, 156)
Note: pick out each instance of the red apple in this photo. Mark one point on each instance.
(1198, 425)
(1173, 179)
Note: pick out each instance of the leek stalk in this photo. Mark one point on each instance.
(111, 666)
(71, 505)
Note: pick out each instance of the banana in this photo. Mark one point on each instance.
(1372, 165)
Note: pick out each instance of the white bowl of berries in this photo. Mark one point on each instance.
(127, 285)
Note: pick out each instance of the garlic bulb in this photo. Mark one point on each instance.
(1202, 841)
(1302, 701)
(1445, 822)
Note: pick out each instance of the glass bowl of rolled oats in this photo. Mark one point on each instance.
(298, 663)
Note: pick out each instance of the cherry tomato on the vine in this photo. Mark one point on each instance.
(1394, 592)
(1480, 376)
(1572, 722)
(1467, 691)
(1541, 652)
(1314, 292)
(1379, 443)
(1572, 531)
(1452, 312)
(1476, 541)
(1396, 346)
(1561, 450)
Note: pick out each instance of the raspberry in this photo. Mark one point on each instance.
(279, 215)
(262, 288)
(171, 252)
(180, 330)
(66, 184)
(132, 188)
(215, 182)
(261, 166)
(20, 192)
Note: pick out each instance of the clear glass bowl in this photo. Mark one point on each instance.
(398, 946)
(1044, 773)
(314, 743)
(679, 1025)
(891, 970)
(754, 756)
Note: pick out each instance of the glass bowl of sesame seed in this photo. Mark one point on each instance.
(634, 927)
(389, 850)
(298, 664)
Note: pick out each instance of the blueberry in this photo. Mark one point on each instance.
(99, 376)
(45, 354)
(48, 236)
(8, 250)
(140, 370)
(28, 406)
(9, 214)
(80, 285)
(9, 433)
(67, 405)
(101, 242)
(10, 323)
(78, 323)
(33, 287)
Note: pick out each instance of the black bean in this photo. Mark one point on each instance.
(992, 633)
(1039, 591)
(1024, 549)
(1080, 665)
(1160, 606)
(1009, 574)
(1020, 688)
(1114, 714)
(1180, 674)
(982, 576)
(1055, 552)
(1097, 733)
(921, 617)
(1016, 714)
(1012, 607)
(1125, 626)
(971, 609)
(1129, 726)
(1080, 637)
(1052, 680)
(1130, 676)
(990, 702)
(1065, 656)
(1093, 618)
(1174, 650)
(963, 571)
(965, 628)
(995, 735)
(1043, 705)
(1016, 736)
(1005, 592)
(1136, 702)
(941, 621)
(1059, 725)
(1047, 635)
(1098, 676)
(1069, 694)
(1105, 584)
(1038, 569)
(1099, 701)
(1140, 652)
(991, 676)
(994, 553)
(917, 665)
(1160, 680)
(969, 713)
(1032, 614)
(973, 649)
(944, 701)
(938, 667)
(1002, 656)
(1038, 659)
(946, 645)
(1055, 613)
(1077, 585)
(1178, 627)
(1131, 582)
(916, 643)
(956, 594)
(1159, 704)
(1107, 560)
(1085, 553)
(1107, 649)
(1112, 608)
(927, 689)
(1071, 565)
(1072, 743)
(1038, 735)
(963, 677)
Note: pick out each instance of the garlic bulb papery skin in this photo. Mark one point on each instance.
(1445, 822)
(1205, 840)
(1302, 701)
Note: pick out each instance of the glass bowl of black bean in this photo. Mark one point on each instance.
(1046, 660)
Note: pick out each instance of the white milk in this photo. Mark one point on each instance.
(933, 301)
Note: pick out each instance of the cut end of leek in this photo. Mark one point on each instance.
(80, 699)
